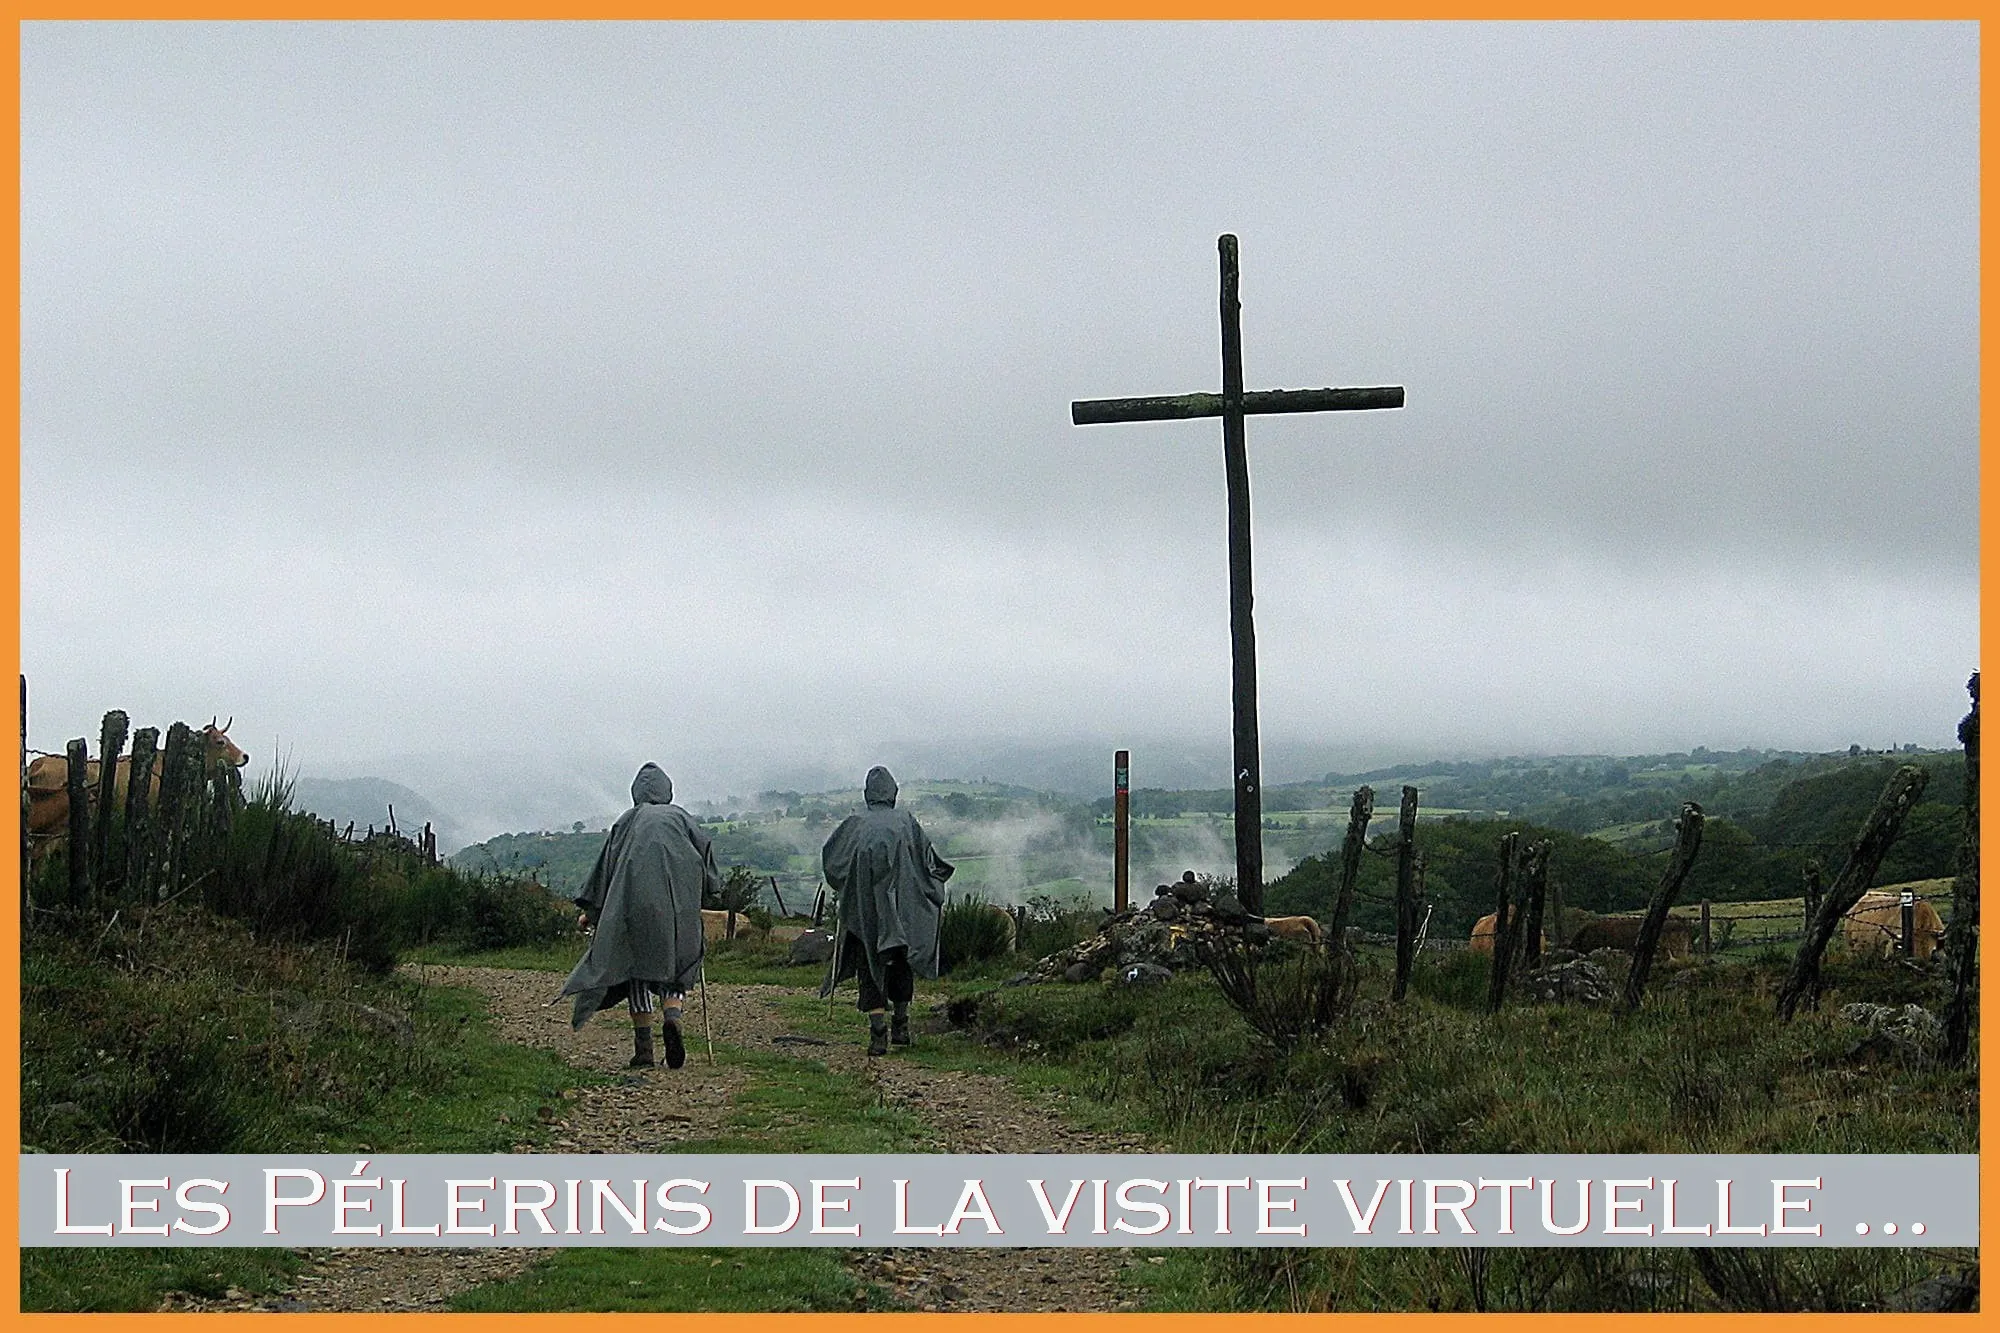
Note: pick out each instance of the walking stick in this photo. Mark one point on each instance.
(707, 1031)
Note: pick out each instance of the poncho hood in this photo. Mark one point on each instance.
(880, 788)
(652, 787)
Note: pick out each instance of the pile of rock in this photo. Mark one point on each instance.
(1150, 944)
(1909, 1033)
(1576, 980)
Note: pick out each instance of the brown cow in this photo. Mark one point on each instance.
(48, 783)
(1301, 928)
(1874, 927)
(1482, 934)
(1622, 932)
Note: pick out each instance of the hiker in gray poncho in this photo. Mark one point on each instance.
(644, 897)
(888, 884)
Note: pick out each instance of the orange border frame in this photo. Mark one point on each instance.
(10, 567)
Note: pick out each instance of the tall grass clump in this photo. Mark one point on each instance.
(970, 930)
(1286, 994)
(1054, 924)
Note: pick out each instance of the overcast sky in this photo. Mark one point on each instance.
(672, 389)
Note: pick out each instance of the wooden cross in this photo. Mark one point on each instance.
(1232, 405)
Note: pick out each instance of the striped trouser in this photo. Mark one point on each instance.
(639, 1000)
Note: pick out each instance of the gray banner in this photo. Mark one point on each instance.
(297, 1200)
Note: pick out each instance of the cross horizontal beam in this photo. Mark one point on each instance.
(1257, 402)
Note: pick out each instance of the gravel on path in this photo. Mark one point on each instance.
(651, 1111)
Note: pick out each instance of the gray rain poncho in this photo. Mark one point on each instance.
(644, 894)
(888, 885)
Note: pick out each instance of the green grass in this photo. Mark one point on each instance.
(758, 1280)
(1588, 1280)
(102, 1280)
(177, 1032)
(555, 956)
(741, 962)
(1703, 1067)
(785, 1106)
(800, 1106)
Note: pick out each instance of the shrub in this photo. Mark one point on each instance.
(1285, 995)
(503, 912)
(1054, 924)
(971, 931)
(738, 893)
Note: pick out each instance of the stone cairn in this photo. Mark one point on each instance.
(1150, 944)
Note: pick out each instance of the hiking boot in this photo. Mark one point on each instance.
(878, 1035)
(675, 1049)
(899, 1026)
(642, 1047)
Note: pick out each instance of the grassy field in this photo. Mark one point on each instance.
(1703, 1067)
(185, 1034)
(1741, 929)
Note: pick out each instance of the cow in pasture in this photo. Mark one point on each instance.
(1482, 934)
(1301, 928)
(48, 782)
(1873, 928)
(1622, 932)
(1012, 926)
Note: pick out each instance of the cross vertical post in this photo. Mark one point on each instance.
(1121, 831)
(1246, 763)
(1232, 405)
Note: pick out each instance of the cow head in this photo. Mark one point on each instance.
(218, 750)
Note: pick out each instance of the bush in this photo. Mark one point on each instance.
(1285, 994)
(740, 885)
(972, 930)
(504, 912)
(1054, 924)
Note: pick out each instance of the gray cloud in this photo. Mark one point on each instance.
(503, 387)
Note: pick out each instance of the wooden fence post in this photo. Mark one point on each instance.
(1687, 842)
(1359, 812)
(111, 744)
(1556, 911)
(26, 913)
(138, 806)
(1963, 933)
(79, 823)
(1707, 939)
(1409, 880)
(1505, 921)
(1878, 831)
(1812, 875)
(167, 836)
(1537, 885)
(1909, 905)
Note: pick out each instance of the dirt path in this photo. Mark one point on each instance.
(655, 1110)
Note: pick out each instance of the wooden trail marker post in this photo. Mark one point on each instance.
(1121, 831)
(1232, 405)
